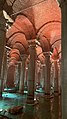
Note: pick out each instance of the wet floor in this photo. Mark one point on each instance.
(44, 108)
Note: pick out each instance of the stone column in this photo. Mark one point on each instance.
(44, 66)
(39, 78)
(38, 74)
(56, 85)
(4, 70)
(19, 73)
(31, 73)
(59, 76)
(52, 77)
(26, 77)
(2, 43)
(64, 58)
(10, 77)
(47, 73)
(22, 75)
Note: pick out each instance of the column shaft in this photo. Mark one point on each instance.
(47, 74)
(2, 45)
(22, 76)
(31, 73)
(64, 59)
(56, 85)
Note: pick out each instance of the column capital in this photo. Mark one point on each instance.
(32, 42)
(24, 57)
(46, 53)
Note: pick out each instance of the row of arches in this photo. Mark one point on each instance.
(33, 48)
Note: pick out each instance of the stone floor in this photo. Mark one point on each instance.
(44, 108)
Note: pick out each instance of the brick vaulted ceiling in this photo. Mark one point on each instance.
(45, 16)
(39, 12)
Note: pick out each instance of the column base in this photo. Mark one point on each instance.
(10, 90)
(31, 101)
(48, 95)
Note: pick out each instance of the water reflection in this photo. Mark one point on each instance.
(48, 108)
(30, 113)
(56, 107)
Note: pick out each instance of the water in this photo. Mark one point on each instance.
(45, 108)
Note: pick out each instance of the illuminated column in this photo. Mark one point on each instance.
(47, 73)
(64, 58)
(52, 77)
(19, 73)
(31, 73)
(26, 76)
(2, 73)
(44, 66)
(16, 76)
(39, 77)
(38, 74)
(4, 70)
(13, 60)
(55, 107)
(10, 76)
(2, 44)
(22, 75)
(56, 85)
(59, 76)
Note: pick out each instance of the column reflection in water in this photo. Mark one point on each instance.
(30, 112)
(44, 109)
(56, 107)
